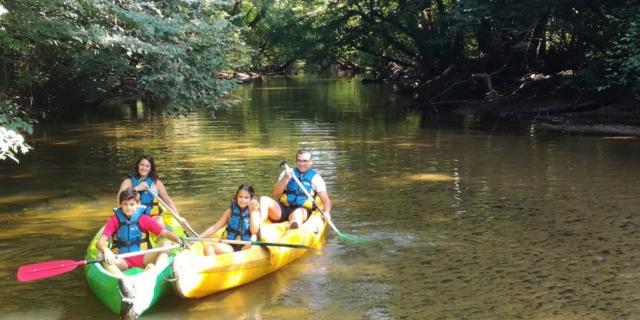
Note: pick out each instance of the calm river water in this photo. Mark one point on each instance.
(472, 218)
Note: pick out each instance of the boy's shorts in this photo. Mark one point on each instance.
(135, 262)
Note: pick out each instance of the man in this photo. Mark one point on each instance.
(294, 205)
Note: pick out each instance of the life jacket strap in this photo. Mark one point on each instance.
(121, 243)
(232, 230)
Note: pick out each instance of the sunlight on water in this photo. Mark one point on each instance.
(413, 145)
(55, 313)
(280, 88)
(359, 142)
(255, 152)
(22, 198)
(623, 138)
(65, 142)
(431, 177)
(396, 181)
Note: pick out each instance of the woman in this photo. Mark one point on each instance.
(145, 181)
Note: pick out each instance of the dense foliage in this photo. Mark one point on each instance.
(76, 52)
(436, 45)
(283, 32)
(61, 55)
(71, 53)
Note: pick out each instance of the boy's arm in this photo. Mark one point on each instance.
(148, 224)
(109, 229)
(101, 245)
(171, 236)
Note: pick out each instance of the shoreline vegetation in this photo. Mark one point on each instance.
(570, 61)
(568, 112)
(543, 100)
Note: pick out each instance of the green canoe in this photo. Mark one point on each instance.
(142, 289)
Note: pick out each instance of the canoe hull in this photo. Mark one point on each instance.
(148, 286)
(198, 275)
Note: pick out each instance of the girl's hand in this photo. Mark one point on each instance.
(109, 257)
(254, 238)
(254, 205)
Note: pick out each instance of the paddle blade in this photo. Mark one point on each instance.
(42, 270)
(353, 238)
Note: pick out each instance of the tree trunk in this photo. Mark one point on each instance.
(537, 47)
(261, 14)
(236, 7)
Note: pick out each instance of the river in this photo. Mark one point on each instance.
(471, 218)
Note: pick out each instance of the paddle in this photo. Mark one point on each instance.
(257, 243)
(49, 269)
(176, 215)
(342, 236)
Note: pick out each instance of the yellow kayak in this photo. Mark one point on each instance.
(198, 275)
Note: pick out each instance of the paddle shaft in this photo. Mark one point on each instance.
(313, 200)
(180, 219)
(133, 254)
(49, 269)
(137, 253)
(258, 243)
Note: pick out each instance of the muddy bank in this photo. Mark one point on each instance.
(238, 76)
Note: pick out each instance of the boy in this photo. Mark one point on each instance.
(129, 224)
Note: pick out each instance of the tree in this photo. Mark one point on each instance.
(83, 52)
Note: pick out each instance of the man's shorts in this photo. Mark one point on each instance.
(286, 212)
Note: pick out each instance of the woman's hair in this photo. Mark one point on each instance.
(246, 187)
(128, 194)
(152, 173)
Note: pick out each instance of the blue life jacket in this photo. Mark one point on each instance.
(129, 236)
(147, 196)
(238, 223)
(294, 196)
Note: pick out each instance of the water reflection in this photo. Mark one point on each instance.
(472, 218)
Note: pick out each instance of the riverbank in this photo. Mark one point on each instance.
(554, 102)
(238, 76)
(619, 117)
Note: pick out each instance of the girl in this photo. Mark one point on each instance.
(242, 221)
(145, 180)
